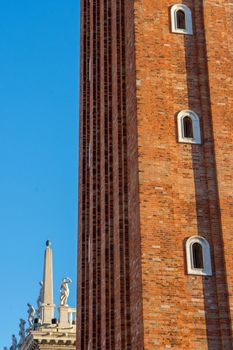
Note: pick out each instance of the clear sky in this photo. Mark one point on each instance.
(39, 53)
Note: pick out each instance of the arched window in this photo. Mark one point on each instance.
(181, 19)
(198, 256)
(188, 127)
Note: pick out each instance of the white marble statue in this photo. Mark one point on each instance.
(39, 300)
(22, 331)
(40, 297)
(64, 291)
(14, 343)
(31, 314)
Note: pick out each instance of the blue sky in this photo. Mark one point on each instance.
(39, 53)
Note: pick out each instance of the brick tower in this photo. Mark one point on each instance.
(156, 170)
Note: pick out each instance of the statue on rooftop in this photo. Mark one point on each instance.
(31, 314)
(64, 291)
(14, 343)
(40, 297)
(21, 331)
(40, 300)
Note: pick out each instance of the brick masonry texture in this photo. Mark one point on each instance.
(185, 190)
(141, 193)
(109, 280)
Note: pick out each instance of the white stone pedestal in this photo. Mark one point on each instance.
(47, 312)
(63, 316)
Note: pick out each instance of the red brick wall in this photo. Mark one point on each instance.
(219, 44)
(109, 308)
(184, 189)
(180, 186)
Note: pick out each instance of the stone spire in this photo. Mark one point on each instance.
(47, 296)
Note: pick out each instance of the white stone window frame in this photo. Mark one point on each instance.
(188, 19)
(191, 270)
(196, 139)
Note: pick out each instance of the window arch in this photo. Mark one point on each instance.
(188, 127)
(181, 19)
(198, 256)
(198, 262)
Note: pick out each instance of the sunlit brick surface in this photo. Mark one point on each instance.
(142, 194)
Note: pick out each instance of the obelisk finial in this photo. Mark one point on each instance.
(47, 300)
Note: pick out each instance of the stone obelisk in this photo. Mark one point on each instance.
(47, 299)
